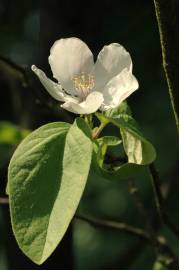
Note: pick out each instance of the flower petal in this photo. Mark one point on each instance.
(111, 61)
(54, 89)
(68, 58)
(90, 105)
(118, 89)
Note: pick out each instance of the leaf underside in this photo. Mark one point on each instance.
(47, 176)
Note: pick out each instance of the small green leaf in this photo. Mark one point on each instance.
(109, 140)
(102, 118)
(123, 108)
(47, 176)
(123, 172)
(103, 144)
(139, 150)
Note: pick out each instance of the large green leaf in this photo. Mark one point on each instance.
(47, 176)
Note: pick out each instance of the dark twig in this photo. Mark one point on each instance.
(166, 255)
(9, 62)
(167, 24)
(157, 192)
(106, 224)
(15, 70)
(117, 226)
(140, 206)
(159, 201)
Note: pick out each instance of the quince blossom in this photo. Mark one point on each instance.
(84, 86)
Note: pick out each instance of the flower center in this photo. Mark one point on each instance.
(83, 84)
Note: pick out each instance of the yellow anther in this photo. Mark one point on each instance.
(83, 83)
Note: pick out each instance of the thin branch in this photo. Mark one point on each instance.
(173, 177)
(140, 206)
(157, 192)
(15, 70)
(105, 224)
(9, 62)
(159, 201)
(21, 74)
(167, 24)
(117, 226)
(166, 255)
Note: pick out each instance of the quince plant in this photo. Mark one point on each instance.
(49, 169)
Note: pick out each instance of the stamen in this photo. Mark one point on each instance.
(83, 83)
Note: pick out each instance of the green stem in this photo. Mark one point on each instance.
(99, 130)
(140, 206)
(89, 120)
(167, 24)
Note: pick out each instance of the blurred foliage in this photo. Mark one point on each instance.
(132, 24)
(10, 136)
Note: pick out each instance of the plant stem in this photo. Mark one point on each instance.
(98, 130)
(89, 120)
(167, 24)
(117, 226)
(140, 207)
(157, 192)
(159, 200)
(166, 255)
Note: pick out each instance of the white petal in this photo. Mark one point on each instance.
(90, 105)
(111, 61)
(54, 89)
(118, 89)
(68, 58)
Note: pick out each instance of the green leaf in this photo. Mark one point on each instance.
(123, 108)
(138, 149)
(123, 172)
(47, 176)
(109, 140)
(103, 144)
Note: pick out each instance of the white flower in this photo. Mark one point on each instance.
(83, 86)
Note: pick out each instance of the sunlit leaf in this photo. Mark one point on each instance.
(47, 176)
(138, 149)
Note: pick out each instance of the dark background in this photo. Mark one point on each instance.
(27, 31)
